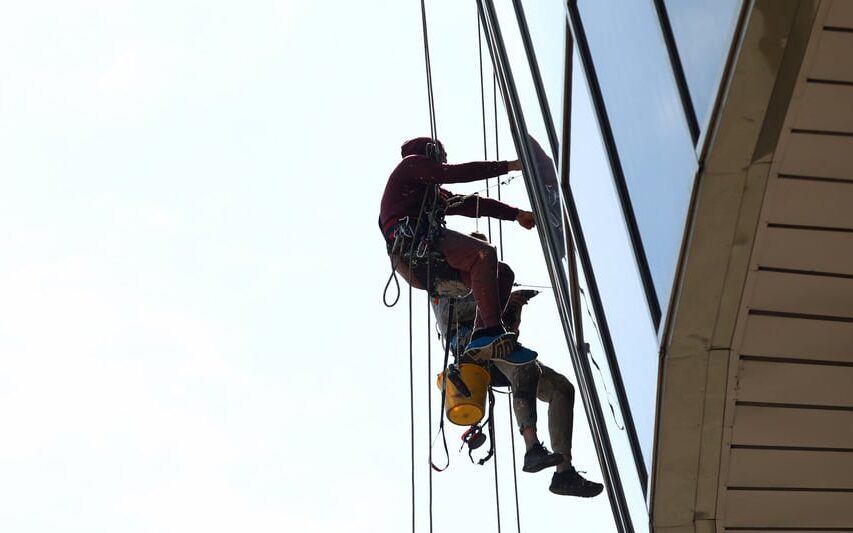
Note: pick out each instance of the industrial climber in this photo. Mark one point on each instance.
(411, 214)
(528, 382)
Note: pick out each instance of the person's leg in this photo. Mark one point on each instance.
(524, 380)
(559, 393)
(477, 261)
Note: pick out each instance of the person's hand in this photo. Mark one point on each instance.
(526, 219)
(513, 165)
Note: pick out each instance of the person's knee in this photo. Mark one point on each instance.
(488, 254)
(505, 273)
(556, 385)
(526, 381)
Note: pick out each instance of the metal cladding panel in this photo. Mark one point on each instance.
(840, 14)
(788, 509)
(826, 107)
(807, 250)
(807, 202)
(763, 381)
(792, 427)
(833, 57)
(798, 338)
(824, 156)
(791, 469)
(785, 292)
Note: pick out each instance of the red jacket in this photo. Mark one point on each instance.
(414, 177)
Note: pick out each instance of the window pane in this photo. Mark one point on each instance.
(546, 23)
(617, 277)
(703, 34)
(649, 126)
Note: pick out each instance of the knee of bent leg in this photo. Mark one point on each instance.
(555, 385)
(488, 254)
(505, 273)
(526, 381)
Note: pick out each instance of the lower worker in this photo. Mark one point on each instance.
(528, 383)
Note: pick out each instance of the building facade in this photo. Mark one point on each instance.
(700, 243)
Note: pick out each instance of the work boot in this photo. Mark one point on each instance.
(570, 483)
(539, 458)
(487, 346)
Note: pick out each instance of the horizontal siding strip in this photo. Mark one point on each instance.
(806, 250)
(803, 272)
(785, 509)
(798, 338)
(807, 227)
(832, 60)
(840, 14)
(818, 155)
(793, 385)
(800, 316)
(783, 426)
(793, 361)
(821, 131)
(790, 448)
(801, 294)
(825, 107)
(813, 203)
(786, 405)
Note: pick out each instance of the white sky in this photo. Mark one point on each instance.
(191, 329)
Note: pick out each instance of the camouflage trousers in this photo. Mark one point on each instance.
(536, 381)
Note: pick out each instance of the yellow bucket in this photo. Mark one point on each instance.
(461, 410)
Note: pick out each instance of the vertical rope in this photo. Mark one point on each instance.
(514, 466)
(501, 250)
(497, 157)
(412, 404)
(429, 398)
(483, 114)
(432, 126)
(497, 492)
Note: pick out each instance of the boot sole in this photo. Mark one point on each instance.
(576, 493)
(504, 344)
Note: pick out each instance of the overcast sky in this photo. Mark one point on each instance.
(192, 334)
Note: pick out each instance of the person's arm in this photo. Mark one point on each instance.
(434, 173)
(490, 207)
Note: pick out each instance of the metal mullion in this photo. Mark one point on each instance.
(678, 71)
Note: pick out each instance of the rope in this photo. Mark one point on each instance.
(432, 125)
(514, 467)
(429, 396)
(483, 113)
(412, 404)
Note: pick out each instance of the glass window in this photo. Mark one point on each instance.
(648, 124)
(703, 35)
(546, 23)
(618, 280)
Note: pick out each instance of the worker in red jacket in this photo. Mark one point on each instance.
(403, 211)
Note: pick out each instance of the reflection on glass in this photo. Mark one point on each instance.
(547, 173)
(619, 285)
(703, 35)
(615, 424)
(537, 131)
(546, 23)
(649, 126)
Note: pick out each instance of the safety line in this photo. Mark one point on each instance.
(412, 404)
(432, 125)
